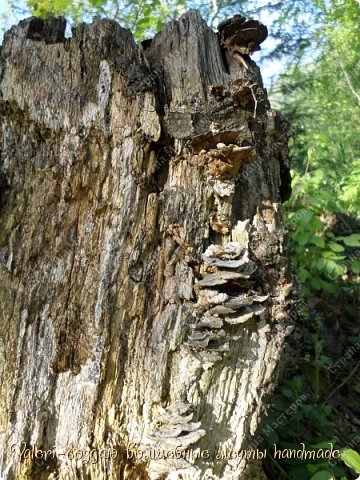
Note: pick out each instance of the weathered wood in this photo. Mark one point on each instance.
(144, 277)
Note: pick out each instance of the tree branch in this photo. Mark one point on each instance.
(348, 81)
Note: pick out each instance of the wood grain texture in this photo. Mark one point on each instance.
(144, 277)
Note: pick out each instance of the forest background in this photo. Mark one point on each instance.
(310, 64)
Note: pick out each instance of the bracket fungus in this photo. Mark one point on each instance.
(224, 297)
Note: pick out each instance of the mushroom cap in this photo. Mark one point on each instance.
(239, 32)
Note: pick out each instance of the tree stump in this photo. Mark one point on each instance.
(144, 276)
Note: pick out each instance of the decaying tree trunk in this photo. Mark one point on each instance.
(144, 280)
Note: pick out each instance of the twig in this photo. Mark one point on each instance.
(343, 382)
(254, 97)
(348, 81)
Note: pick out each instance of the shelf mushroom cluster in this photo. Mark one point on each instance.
(174, 428)
(225, 297)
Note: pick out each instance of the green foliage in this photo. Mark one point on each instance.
(323, 475)
(46, 8)
(307, 419)
(321, 98)
(319, 257)
(351, 459)
(322, 102)
(144, 18)
(300, 415)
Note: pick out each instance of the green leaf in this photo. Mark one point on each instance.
(303, 238)
(325, 444)
(61, 5)
(318, 241)
(355, 266)
(328, 287)
(351, 459)
(97, 3)
(315, 225)
(323, 475)
(336, 247)
(316, 467)
(303, 275)
(316, 284)
(331, 268)
(328, 253)
(352, 240)
(303, 217)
